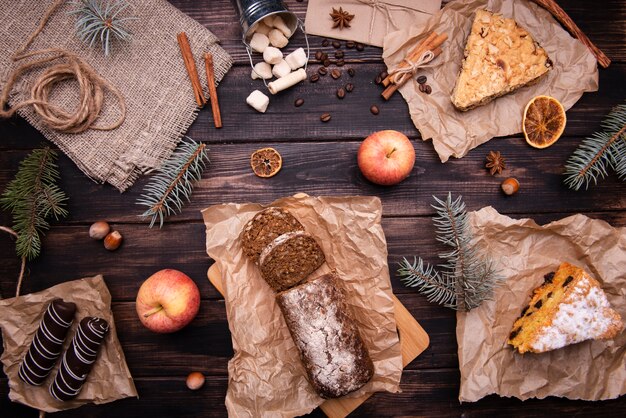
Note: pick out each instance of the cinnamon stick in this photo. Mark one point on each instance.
(190, 64)
(431, 44)
(414, 51)
(561, 16)
(210, 77)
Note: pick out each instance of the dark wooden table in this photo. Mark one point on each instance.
(319, 159)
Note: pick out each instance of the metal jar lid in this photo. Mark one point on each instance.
(251, 12)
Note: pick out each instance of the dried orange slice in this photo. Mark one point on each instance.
(266, 162)
(544, 121)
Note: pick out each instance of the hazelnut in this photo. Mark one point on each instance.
(510, 186)
(195, 380)
(113, 241)
(99, 230)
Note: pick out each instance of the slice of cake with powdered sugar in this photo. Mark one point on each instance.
(570, 307)
(323, 329)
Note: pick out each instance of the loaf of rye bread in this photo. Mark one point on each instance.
(322, 327)
(290, 259)
(264, 227)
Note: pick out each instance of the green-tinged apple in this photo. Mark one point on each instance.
(167, 301)
(386, 157)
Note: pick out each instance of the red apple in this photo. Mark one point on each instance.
(386, 157)
(167, 301)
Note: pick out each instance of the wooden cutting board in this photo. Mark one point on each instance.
(413, 341)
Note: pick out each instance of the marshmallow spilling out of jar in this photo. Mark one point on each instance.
(269, 36)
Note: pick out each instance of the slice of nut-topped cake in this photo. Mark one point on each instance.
(500, 57)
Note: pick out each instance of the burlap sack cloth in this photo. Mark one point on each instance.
(591, 370)
(148, 70)
(109, 378)
(455, 133)
(266, 377)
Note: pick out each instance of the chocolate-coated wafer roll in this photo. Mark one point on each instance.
(78, 359)
(48, 341)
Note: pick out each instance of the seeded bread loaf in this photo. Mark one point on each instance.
(500, 57)
(331, 348)
(264, 227)
(289, 259)
(568, 308)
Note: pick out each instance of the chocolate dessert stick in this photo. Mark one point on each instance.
(47, 343)
(79, 358)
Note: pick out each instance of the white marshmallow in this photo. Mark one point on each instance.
(281, 69)
(269, 21)
(296, 59)
(287, 81)
(262, 70)
(272, 55)
(277, 38)
(262, 28)
(259, 42)
(258, 101)
(280, 24)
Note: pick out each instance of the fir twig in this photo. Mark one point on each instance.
(99, 20)
(168, 190)
(468, 277)
(33, 197)
(600, 152)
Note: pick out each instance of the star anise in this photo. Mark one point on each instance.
(341, 18)
(495, 163)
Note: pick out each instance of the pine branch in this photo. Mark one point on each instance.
(33, 197)
(468, 277)
(596, 154)
(171, 187)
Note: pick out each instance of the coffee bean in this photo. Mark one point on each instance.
(383, 74)
(339, 54)
(349, 87)
(322, 71)
(421, 79)
(325, 42)
(318, 55)
(427, 88)
(340, 63)
(422, 88)
(327, 62)
(298, 102)
(341, 93)
(336, 44)
(351, 72)
(374, 110)
(325, 117)
(378, 79)
(335, 74)
(350, 44)
(360, 46)
(324, 56)
(314, 78)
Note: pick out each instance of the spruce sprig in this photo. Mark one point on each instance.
(33, 197)
(468, 276)
(171, 187)
(100, 20)
(600, 152)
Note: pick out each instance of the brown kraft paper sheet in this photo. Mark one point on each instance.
(109, 379)
(266, 377)
(455, 133)
(591, 370)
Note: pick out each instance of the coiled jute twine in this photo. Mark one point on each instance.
(91, 85)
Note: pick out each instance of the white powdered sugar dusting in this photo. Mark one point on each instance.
(580, 317)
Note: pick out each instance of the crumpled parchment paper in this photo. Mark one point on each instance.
(266, 377)
(109, 378)
(455, 133)
(591, 370)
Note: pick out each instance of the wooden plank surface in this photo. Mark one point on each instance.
(319, 159)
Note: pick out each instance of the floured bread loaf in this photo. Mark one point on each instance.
(264, 228)
(500, 57)
(568, 308)
(289, 259)
(324, 331)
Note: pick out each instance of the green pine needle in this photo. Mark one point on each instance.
(468, 276)
(100, 21)
(33, 197)
(171, 187)
(600, 152)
